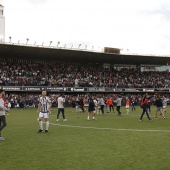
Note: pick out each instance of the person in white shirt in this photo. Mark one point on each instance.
(95, 103)
(101, 103)
(9, 105)
(61, 101)
(99, 107)
(118, 104)
(164, 102)
(44, 107)
(76, 82)
(3, 109)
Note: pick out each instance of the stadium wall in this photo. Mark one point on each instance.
(83, 89)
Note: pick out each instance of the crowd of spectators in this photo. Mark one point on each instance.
(24, 100)
(72, 74)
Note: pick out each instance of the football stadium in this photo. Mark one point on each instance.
(79, 109)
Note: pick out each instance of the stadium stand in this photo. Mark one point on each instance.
(77, 74)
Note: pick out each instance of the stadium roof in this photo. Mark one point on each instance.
(51, 53)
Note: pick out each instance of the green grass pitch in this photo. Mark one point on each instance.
(109, 143)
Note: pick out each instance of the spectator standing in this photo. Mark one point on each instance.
(91, 108)
(144, 105)
(99, 107)
(82, 104)
(159, 106)
(73, 103)
(3, 109)
(61, 101)
(127, 105)
(9, 105)
(133, 104)
(95, 103)
(118, 105)
(164, 102)
(111, 104)
(107, 105)
(101, 103)
(149, 106)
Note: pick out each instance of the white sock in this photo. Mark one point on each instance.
(41, 124)
(47, 125)
(76, 108)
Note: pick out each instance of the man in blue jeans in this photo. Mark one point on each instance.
(3, 109)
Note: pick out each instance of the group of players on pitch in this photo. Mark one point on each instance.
(45, 104)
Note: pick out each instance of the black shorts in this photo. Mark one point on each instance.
(73, 105)
(91, 109)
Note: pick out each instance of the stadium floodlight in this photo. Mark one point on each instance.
(18, 41)
(58, 43)
(10, 39)
(85, 47)
(92, 47)
(71, 46)
(79, 46)
(27, 40)
(50, 43)
(35, 43)
(42, 43)
(65, 45)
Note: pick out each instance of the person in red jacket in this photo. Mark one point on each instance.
(144, 105)
(111, 104)
(127, 105)
(107, 105)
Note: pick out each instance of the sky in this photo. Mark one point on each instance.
(134, 26)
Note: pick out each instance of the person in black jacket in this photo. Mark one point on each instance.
(82, 104)
(91, 108)
(159, 106)
(133, 104)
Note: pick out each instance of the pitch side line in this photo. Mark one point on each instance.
(114, 129)
(152, 116)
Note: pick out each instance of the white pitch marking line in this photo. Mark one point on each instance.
(135, 130)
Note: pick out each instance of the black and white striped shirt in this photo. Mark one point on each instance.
(45, 102)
